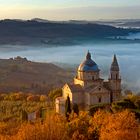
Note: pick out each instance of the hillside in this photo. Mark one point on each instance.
(19, 74)
(48, 32)
(122, 23)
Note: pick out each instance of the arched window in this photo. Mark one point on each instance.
(93, 78)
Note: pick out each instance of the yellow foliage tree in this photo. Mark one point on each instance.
(53, 128)
(43, 98)
(102, 126)
(118, 126)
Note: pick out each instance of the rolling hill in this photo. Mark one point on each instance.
(19, 74)
(48, 32)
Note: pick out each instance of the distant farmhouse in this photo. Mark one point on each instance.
(88, 88)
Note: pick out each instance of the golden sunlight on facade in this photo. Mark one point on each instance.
(88, 88)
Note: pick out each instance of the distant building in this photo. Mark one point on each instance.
(88, 88)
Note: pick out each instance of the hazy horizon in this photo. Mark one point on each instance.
(102, 20)
(70, 9)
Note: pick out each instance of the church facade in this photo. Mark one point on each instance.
(88, 88)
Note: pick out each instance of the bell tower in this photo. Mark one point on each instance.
(115, 80)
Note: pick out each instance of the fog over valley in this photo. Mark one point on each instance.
(71, 56)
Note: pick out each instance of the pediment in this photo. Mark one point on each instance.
(66, 87)
(73, 88)
(98, 89)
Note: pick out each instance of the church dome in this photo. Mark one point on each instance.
(88, 64)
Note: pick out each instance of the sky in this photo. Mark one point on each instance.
(70, 9)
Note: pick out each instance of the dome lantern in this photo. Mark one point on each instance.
(88, 56)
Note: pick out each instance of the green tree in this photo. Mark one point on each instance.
(75, 109)
(55, 93)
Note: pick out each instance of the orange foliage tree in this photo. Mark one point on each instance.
(120, 126)
(53, 128)
(33, 98)
(102, 126)
(43, 98)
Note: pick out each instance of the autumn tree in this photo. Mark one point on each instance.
(33, 98)
(43, 98)
(118, 126)
(77, 128)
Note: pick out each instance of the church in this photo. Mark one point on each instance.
(88, 88)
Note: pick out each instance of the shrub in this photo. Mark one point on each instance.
(96, 107)
(124, 104)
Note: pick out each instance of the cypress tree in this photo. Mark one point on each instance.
(67, 107)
